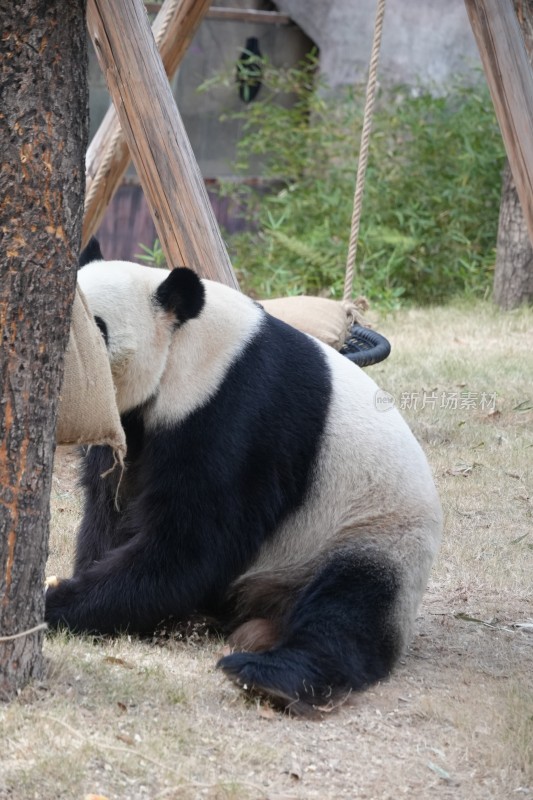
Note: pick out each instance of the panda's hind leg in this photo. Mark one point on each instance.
(342, 634)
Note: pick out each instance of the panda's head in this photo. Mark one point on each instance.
(138, 310)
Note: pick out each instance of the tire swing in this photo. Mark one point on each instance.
(339, 324)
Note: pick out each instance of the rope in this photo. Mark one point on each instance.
(168, 10)
(103, 167)
(166, 13)
(363, 150)
(36, 628)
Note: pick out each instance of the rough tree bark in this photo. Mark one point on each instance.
(43, 137)
(513, 276)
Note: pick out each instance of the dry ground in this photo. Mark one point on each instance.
(153, 719)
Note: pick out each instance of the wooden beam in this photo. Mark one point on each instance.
(108, 155)
(248, 15)
(238, 14)
(510, 79)
(172, 183)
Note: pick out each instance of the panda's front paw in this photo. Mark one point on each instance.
(59, 599)
(51, 582)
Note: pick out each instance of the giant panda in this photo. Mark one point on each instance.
(263, 488)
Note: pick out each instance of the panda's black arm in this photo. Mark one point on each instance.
(133, 588)
(157, 574)
(97, 533)
(172, 564)
(107, 490)
(169, 552)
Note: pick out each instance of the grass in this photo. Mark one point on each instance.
(124, 718)
(431, 199)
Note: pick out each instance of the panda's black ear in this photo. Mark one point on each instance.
(90, 253)
(182, 293)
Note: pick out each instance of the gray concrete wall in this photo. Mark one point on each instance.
(215, 48)
(424, 41)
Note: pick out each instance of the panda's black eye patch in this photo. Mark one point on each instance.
(103, 328)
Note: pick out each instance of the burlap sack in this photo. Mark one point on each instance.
(327, 320)
(88, 413)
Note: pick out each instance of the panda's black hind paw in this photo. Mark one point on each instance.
(283, 676)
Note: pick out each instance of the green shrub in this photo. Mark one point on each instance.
(154, 256)
(431, 201)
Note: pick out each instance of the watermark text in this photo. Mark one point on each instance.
(436, 399)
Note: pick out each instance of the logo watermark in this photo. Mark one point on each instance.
(446, 401)
(383, 400)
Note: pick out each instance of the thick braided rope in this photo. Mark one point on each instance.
(363, 151)
(105, 163)
(117, 139)
(168, 10)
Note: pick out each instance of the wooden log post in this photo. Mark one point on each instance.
(510, 81)
(159, 146)
(108, 155)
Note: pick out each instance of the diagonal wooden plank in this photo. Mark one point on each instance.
(157, 141)
(510, 79)
(108, 155)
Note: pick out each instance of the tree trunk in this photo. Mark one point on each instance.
(513, 276)
(43, 137)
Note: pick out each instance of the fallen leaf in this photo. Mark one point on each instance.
(123, 737)
(118, 662)
(492, 624)
(525, 626)
(266, 712)
(520, 538)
